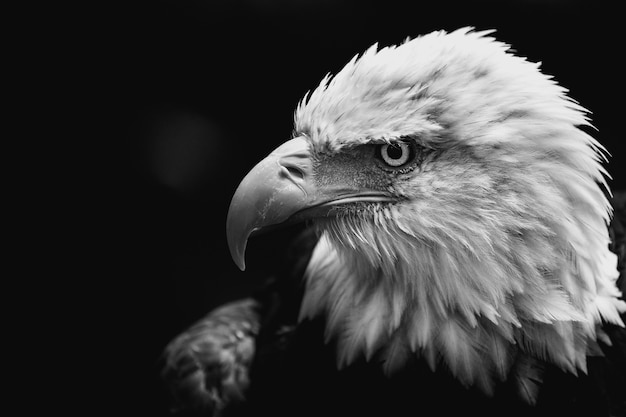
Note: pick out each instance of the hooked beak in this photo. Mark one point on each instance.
(282, 189)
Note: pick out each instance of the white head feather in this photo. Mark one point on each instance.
(502, 244)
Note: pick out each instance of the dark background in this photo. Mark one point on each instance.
(189, 95)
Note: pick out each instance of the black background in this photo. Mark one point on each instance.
(184, 97)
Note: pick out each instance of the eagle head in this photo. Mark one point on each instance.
(460, 210)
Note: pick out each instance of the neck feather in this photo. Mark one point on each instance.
(393, 293)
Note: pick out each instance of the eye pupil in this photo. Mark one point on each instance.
(394, 152)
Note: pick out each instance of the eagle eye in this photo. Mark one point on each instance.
(396, 155)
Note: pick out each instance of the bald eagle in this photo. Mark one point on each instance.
(456, 255)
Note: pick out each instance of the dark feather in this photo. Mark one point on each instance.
(207, 367)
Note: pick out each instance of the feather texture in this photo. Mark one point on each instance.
(499, 247)
(207, 367)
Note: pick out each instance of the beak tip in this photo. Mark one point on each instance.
(237, 237)
(238, 254)
(241, 264)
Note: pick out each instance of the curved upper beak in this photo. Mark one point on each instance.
(282, 188)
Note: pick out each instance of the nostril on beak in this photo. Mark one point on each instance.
(294, 160)
(295, 171)
(295, 167)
